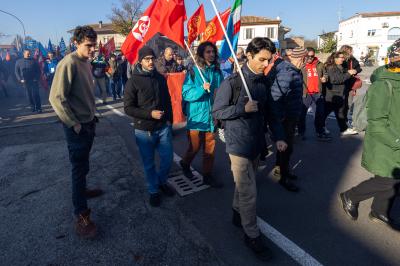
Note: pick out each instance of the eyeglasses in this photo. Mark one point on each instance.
(341, 57)
(148, 59)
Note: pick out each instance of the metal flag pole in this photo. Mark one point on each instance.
(232, 51)
(194, 60)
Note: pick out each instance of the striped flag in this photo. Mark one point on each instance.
(232, 29)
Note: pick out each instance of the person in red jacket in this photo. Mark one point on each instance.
(313, 80)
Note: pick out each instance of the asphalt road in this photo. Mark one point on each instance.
(312, 219)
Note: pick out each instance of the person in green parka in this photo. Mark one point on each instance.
(381, 151)
(198, 99)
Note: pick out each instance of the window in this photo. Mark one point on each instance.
(351, 34)
(394, 34)
(249, 33)
(371, 33)
(270, 32)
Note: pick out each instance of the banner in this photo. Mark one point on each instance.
(175, 83)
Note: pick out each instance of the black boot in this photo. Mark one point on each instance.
(288, 185)
(212, 182)
(349, 207)
(186, 169)
(258, 247)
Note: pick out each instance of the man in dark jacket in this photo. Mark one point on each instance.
(244, 135)
(147, 100)
(99, 66)
(27, 71)
(381, 151)
(286, 105)
(166, 63)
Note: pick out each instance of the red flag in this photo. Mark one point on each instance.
(162, 16)
(100, 48)
(214, 32)
(109, 47)
(196, 24)
(36, 54)
(175, 83)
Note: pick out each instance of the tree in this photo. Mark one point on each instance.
(123, 17)
(329, 44)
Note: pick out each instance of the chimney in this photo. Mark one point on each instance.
(100, 24)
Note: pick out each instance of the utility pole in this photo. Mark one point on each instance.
(19, 20)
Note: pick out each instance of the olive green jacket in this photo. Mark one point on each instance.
(381, 154)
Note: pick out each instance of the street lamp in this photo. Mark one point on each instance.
(20, 21)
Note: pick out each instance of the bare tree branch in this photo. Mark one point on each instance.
(123, 17)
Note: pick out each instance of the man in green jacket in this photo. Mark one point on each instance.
(381, 155)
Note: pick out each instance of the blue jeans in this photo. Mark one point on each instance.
(115, 85)
(79, 146)
(148, 142)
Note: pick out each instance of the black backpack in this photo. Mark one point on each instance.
(236, 85)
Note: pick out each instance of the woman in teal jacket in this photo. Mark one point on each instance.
(198, 99)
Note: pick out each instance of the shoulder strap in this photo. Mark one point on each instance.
(236, 86)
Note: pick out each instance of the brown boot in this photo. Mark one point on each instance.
(84, 227)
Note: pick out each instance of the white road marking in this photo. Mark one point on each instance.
(289, 247)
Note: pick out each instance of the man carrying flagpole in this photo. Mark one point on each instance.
(245, 140)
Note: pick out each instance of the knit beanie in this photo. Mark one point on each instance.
(394, 51)
(145, 51)
(299, 52)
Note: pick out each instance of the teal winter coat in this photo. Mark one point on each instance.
(197, 102)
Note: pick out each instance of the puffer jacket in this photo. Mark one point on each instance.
(286, 96)
(381, 153)
(145, 92)
(197, 102)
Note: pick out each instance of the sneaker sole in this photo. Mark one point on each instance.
(377, 220)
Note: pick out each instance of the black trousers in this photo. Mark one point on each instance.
(283, 158)
(340, 108)
(319, 121)
(382, 189)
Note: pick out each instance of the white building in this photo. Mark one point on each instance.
(253, 26)
(105, 32)
(370, 33)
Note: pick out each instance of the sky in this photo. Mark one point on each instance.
(44, 19)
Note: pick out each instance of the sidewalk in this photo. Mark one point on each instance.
(36, 208)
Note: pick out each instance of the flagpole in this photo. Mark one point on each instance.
(232, 51)
(194, 60)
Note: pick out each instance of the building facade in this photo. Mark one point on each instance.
(253, 26)
(105, 32)
(370, 34)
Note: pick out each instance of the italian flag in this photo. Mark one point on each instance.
(232, 29)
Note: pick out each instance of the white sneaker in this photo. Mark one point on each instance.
(327, 132)
(349, 132)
